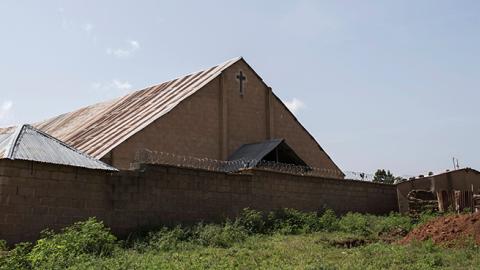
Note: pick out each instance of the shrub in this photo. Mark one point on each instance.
(56, 251)
(219, 236)
(328, 221)
(355, 223)
(392, 222)
(17, 258)
(3, 245)
(290, 221)
(253, 221)
(167, 239)
(286, 221)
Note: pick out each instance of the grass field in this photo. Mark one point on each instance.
(309, 251)
(283, 240)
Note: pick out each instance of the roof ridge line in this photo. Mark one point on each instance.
(48, 136)
(13, 141)
(221, 67)
(118, 100)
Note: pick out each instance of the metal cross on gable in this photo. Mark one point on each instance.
(241, 78)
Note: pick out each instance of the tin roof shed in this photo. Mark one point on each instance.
(28, 143)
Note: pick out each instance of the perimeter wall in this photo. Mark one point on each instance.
(35, 196)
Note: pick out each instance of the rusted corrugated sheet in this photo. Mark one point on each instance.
(7, 130)
(97, 129)
(28, 143)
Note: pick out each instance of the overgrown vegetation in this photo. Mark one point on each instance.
(283, 239)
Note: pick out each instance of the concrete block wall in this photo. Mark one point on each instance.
(168, 195)
(36, 196)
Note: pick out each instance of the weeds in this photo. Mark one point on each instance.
(253, 240)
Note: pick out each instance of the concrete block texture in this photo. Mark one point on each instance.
(163, 195)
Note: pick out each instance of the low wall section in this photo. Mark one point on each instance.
(36, 196)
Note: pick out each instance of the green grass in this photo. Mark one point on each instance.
(285, 239)
(308, 251)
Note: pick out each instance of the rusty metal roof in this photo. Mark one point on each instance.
(99, 128)
(29, 143)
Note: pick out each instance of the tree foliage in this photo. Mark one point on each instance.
(384, 176)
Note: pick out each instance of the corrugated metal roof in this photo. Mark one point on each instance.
(99, 128)
(28, 143)
(256, 152)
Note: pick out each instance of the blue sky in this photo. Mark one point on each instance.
(380, 84)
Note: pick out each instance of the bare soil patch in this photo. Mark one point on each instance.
(451, 230)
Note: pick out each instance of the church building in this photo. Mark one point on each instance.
(225, 112)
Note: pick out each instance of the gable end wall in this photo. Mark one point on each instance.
(217, 120)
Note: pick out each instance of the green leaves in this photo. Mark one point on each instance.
(57, 251)
(386, 177)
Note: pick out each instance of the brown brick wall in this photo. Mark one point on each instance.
(217, 120)
(166, 195)
(36, 196)
(191, 129)
(247, 114)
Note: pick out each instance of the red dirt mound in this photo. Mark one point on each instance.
(447, 230)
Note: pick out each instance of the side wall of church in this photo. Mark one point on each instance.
(35, 196)
(190, 129)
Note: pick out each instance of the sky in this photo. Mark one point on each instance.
(379, 84)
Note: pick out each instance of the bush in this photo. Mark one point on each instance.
(3, 245)
(328, 221)
(253, 221)
(355, 223)
(393, 222)
(219, 236)
(287, 221)
(17, 258)
(167, 239)
(57, 251)
(290, 221)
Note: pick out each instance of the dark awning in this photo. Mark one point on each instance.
(275, 150)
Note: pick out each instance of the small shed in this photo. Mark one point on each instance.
(453, 190)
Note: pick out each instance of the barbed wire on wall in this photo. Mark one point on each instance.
(146, 156)
(359, 176)
(155, 157)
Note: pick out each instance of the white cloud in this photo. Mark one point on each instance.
(132, 47)
(135, 45)
(6, 112)
(114, 86)
(88, 27)
(122, 85)
(294, 105)
(5, 108)
(65, 22)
